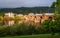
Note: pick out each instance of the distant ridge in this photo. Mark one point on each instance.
(26, 10)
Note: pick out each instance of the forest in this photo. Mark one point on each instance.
(26, 10)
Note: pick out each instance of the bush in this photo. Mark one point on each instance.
(24, 29)
(21, 29)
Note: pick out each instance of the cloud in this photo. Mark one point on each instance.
(25, 3)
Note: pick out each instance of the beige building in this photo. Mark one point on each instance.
(38, 18)
(19, 18)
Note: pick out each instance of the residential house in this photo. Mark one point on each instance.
(9, 18)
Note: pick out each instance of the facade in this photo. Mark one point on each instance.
(37, 19)
(19, 18)
(9, 18)
(10, 14)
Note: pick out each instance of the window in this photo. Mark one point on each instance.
(41, 17)
(50, 17)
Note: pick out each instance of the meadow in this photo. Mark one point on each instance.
(34, 36)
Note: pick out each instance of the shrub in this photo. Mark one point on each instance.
(24, 29)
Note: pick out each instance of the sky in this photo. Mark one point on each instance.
(25, 3)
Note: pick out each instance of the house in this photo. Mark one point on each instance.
(31, 18)
(10, 14)
(38, 18)
(19, 18)
(9, 18)
(47, 16)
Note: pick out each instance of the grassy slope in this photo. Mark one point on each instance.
(34, 36)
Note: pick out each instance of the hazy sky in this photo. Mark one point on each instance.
(24, 3)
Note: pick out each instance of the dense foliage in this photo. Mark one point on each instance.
(26, 10)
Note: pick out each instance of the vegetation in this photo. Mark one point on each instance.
(50, 26)
(26, 10)
(34, 36)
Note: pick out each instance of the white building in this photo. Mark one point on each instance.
(49, 14)
(10, 14)
(10, 21)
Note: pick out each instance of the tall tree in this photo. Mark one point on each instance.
(58, 5)
(53, 5)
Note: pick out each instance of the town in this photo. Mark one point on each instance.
(31, 18)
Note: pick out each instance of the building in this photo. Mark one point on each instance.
(38, 18)
(10, 14)
(9, 18)
(34, 19)
(19, 18)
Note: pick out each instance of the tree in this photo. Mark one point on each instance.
(58, 5)
(57, 21)
(1, 20)
(53, 5)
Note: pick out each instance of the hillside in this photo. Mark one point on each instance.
(25, 10)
